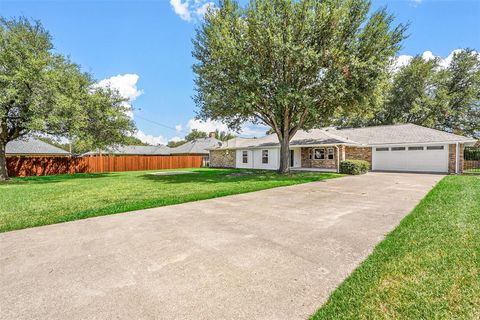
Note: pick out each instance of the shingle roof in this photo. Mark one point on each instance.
(390, 134)
(198, 146)
(33, 146)
(398, 134)
(135, 150)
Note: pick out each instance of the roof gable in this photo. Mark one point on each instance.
(33, 146)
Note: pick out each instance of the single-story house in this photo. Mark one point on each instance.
(31, 147)
(403, 147)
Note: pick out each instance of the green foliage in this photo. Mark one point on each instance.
(354, 167)
(472, 153)
(195, 134)
(44, 92)
(223, 136)
(35, 201)
(290, 64)
(134, 141)
(173, 144)
(428, 94)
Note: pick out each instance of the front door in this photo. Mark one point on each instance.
(292, 154)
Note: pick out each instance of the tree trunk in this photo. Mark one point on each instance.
(3, 161)
(284, 155)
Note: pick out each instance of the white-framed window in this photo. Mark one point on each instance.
(415, 148)
(244, 156)
(398, 148)
(434, 147)
(330, 153)
(381, 149)
(319, 154)
(264, 156)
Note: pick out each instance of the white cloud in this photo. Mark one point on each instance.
(428, 55)
(150, 139)
(181, 8)
(175, 139)
(247, 130)
(200, 11)
(178, 128)
(403, 60)
(206, 126)
(126, 85)
(191, 10)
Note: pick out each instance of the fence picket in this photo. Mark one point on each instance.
(42, 166)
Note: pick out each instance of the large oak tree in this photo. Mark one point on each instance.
(430, 93)
(42, 92)
(290, 64)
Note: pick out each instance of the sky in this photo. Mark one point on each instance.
(143, 48)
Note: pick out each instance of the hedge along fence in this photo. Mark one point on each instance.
(44, 166)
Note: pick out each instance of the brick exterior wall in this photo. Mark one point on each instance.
(452, 155)
(314, 163)
(359, 153)
(222, 158)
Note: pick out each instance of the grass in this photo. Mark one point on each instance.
(35, 201)
(427, 268)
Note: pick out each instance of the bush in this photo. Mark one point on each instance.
(354, 166)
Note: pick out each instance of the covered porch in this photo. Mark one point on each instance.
(326, 157)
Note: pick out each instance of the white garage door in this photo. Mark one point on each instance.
(432, 158)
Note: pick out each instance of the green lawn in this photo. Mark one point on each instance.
(35, 201)
(427, 268)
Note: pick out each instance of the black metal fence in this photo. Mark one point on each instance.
(471, 160)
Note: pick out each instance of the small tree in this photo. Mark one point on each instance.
(290, 64)
(223, 135)
(43, 92)
(195, 134)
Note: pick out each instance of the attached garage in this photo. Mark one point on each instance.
(415, 158)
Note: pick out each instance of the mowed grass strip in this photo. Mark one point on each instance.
(427, 268)
(36, 201)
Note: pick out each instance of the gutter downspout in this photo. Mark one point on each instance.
(457, 158)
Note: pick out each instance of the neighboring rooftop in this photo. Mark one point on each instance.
(134, 150)
(197, 146)
(389, 134)
(32, 146)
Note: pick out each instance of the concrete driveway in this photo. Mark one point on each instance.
(272, 254)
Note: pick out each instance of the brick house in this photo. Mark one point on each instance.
(404, 147)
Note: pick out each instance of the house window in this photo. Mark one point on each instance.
(264, 156)
(398, 148)
(330, 153)
(381, 149)
(319, 154)
(245, 156)
(434, 147)
(415, 148)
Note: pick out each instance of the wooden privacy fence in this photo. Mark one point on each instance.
(44, 166)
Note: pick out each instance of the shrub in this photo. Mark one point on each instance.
(354, 166)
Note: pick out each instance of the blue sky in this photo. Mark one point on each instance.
(146, 46)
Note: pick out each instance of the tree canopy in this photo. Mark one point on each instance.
(44, 92)
(290, 64)
(430, 94)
